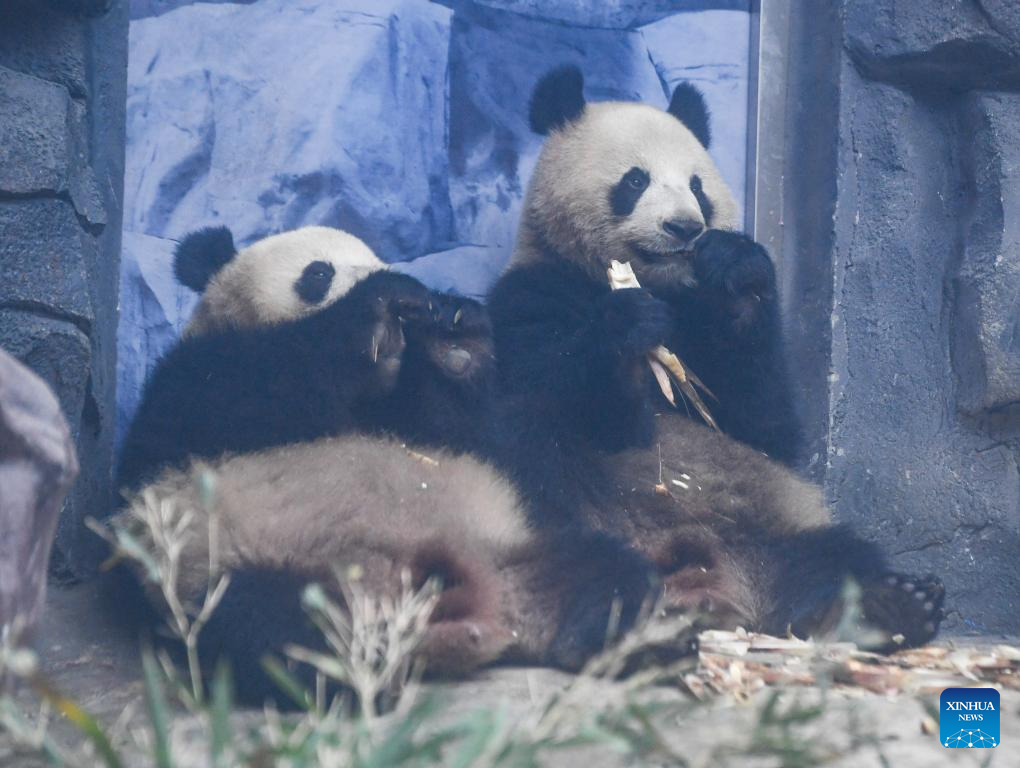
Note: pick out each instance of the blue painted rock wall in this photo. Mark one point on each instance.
(403, 121)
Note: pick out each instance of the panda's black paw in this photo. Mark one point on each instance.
(908, 609)
(373, 315)
(456, 336)
(390, 296)
(738, 271)
(633, 321)
(459, 317)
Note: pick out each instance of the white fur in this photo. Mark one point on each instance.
(568, 202)
(257, 286)
(339, 502)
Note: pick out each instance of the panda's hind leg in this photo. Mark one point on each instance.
(907, 607)
(260, 613)
(577, 592)
(467, 628)
(809, 578)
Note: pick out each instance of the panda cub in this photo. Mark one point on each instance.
(592, 441)
(283, 414)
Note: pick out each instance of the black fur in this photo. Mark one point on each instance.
(595, 575)
(444, 394)
(313, 285)
(688, 106)
(627, 191)
(259, 615)
(244, 390)
(707, 209)
(201, 255)
(558, 99)
(562, 336)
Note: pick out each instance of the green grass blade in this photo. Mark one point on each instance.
(155, 702)
(287, 683)
(81, 720)
(221, 704)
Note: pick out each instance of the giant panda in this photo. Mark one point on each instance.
(588, 437)
(308, 476)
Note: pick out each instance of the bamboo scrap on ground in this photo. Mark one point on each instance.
(741, 663)
(665, 364)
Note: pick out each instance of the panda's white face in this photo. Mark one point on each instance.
(623, 181)
(283, 277)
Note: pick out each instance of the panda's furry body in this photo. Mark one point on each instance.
(244, 389)
(286, 414)
(592, 442)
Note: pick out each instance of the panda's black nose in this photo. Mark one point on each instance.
(685, 231)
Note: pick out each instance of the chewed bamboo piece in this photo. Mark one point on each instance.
(666, 367)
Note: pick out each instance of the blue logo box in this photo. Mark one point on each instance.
(969, 718)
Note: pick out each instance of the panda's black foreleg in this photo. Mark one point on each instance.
(810, 576)
(729, 331)
(444, 391)
(259, 615)
(601, 587)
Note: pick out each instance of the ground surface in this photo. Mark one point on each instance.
(95, 661)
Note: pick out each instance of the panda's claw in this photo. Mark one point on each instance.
(907, 606)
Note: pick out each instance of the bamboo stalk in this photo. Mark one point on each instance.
(666, 367)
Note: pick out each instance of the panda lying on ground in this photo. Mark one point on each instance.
(592, 443)
(284, 411)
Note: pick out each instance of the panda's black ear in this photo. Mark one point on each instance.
(688, 106)
(201, 255)
(557, 99)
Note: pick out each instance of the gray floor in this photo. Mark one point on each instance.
(90, 658)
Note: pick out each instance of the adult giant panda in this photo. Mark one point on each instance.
(283, 414)
(593, 443)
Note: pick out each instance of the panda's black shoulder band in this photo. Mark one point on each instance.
(688, 106)
(558, 99)
(201, 255)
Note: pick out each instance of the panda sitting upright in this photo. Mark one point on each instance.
(592, 443)
(284, 410)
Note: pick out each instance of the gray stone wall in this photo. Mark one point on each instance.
(63, 68)
(903, 236)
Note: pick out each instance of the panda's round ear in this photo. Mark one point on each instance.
(201, 255)
(688, 106)
(557, 99)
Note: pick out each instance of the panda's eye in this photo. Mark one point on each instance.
(624, 195)
(314, 283)
(707, 209)
(636, 178)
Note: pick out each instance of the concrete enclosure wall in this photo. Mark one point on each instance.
(63, 67)
(902, 243)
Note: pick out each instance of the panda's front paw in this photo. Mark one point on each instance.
(373, 315)
(738, 271)
(457, 337)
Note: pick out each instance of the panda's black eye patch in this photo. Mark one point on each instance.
(314, 283)
(707, 209)
(627, 191)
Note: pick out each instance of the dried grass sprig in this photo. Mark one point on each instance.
(166, 531)
(371, 639)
